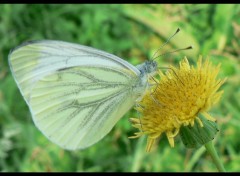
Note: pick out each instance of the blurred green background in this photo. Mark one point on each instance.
(132, 32)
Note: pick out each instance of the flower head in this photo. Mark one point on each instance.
(177, 99)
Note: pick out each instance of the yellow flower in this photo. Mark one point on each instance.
(177, 99)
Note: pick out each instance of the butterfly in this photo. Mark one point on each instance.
(75, 93)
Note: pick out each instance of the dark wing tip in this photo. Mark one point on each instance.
(23, 44)
(19, 46)
(31, 42)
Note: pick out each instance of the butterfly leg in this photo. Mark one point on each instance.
(152, 93)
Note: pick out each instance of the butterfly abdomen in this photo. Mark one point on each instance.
(146, 69)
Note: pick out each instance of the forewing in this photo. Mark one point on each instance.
(32, 61)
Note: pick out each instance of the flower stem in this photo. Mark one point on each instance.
(211, 150)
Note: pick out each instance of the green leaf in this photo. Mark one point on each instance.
(196, 136)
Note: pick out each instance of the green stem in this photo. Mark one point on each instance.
(211, 150)
(138, 156)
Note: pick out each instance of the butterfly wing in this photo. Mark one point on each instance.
(76, 94)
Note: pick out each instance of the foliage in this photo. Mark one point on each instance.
(133, 32)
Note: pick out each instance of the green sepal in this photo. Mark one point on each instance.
(196, 136)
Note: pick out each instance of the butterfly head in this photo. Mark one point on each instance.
(150, 67)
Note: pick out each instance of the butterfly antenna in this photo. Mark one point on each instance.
(187, 48)
(178, 29)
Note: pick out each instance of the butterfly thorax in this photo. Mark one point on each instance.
(148, 68)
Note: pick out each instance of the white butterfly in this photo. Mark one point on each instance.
(75, 93)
